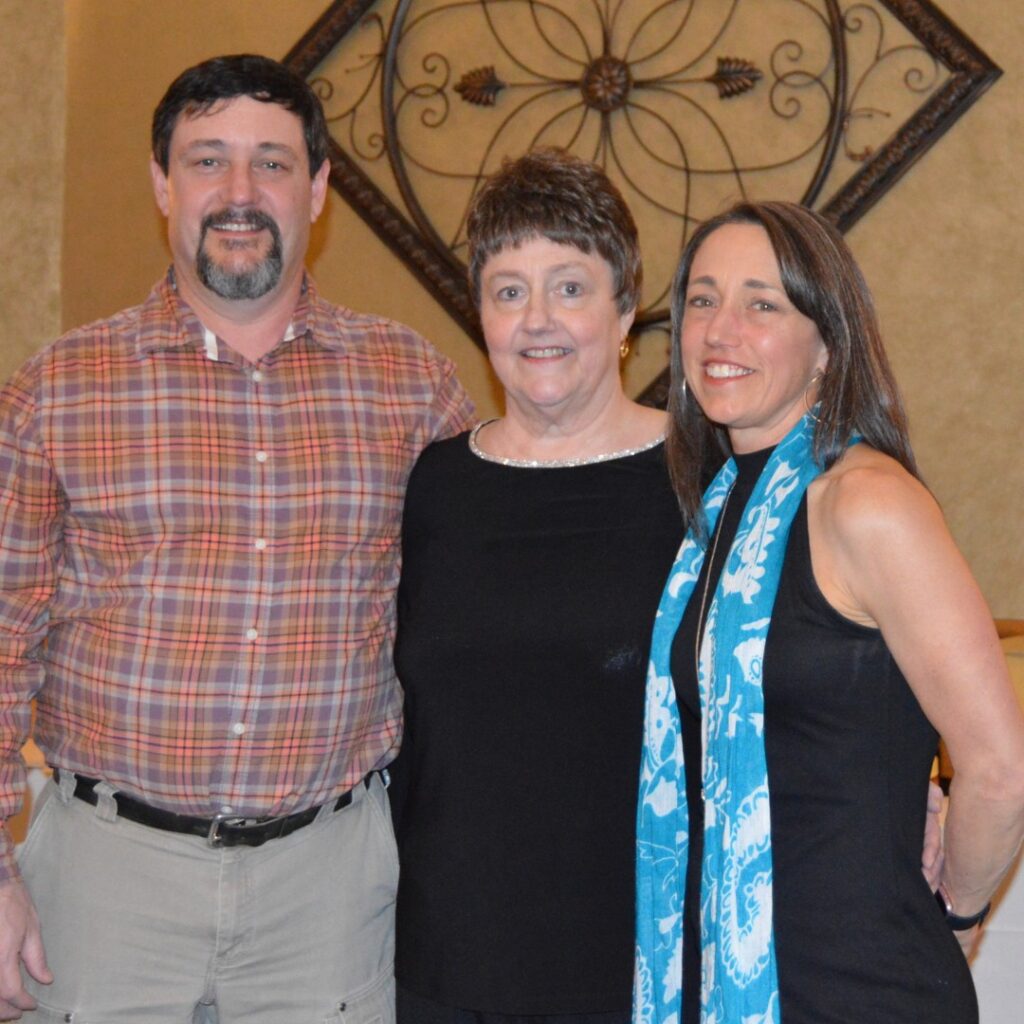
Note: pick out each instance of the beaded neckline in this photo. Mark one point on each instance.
(588, 460)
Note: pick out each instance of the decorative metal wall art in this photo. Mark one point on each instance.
(687, 104)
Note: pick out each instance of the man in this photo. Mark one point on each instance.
(200, 503)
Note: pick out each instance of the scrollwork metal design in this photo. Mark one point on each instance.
(686, 103)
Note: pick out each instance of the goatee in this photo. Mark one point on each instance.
(252, 282)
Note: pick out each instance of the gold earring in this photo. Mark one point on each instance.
(624, 347)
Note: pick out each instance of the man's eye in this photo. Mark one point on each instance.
(509, 293)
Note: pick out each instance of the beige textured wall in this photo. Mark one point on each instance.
(122, 54)
(32, 101)
(944, 253)
(942, 250)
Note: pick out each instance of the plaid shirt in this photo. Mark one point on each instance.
(199, 556)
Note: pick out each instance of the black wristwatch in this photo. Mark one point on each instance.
(955, 921)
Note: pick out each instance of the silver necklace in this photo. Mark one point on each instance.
(710, 561)
(588, 460)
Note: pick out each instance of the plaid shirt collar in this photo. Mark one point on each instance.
(165, 308)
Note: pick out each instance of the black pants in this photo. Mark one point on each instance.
(414, 1009)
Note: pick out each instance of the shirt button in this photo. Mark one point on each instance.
(260, 543)
(257, 376)
(251, 634)
(238, 728)
(261, 456)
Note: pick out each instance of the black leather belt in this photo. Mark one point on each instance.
(220, 830)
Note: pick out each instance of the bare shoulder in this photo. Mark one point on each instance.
(869, 498)
(871, 523)
(883, 557)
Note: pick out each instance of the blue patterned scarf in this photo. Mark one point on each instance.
(739, 978)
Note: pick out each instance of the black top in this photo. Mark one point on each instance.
(858, 935)
(524, 624)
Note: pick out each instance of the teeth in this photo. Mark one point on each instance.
(721, 371)
(545, 353)
(234, 225)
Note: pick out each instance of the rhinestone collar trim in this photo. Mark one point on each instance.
(588, 460)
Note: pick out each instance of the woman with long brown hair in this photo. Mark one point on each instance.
(818, 631)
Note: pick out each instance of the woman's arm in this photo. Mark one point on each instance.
(884, 557)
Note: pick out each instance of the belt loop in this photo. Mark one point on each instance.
(106, 805)
(65, 785)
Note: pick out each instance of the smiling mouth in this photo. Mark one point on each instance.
(235, 225)
(725, 371)
(549, 352)
(238, 222)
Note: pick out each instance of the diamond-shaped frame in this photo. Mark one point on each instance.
(440, 271)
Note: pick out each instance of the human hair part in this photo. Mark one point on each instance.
(198, 89)
(550, 193)
(857, 394)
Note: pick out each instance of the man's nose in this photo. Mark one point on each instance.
(241, 185)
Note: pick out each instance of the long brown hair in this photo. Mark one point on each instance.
(857, 394)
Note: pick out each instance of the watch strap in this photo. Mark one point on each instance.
(955, 921)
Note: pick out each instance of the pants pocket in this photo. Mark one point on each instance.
(380, 812)
(374, 1005)
(40, 817)
(44, 1014)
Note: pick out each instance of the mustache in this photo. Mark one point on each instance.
(257, 218)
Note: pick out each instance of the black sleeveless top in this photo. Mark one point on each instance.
(858, 935)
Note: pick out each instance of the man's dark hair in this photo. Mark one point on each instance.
(199, 88)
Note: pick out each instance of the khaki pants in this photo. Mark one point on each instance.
(143, 926)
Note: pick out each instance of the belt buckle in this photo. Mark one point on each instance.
(213, 836)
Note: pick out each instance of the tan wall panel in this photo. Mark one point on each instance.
(942, 250)
(32, 97)
(944, 253)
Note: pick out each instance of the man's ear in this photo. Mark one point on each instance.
(319, 196)
(160, 187)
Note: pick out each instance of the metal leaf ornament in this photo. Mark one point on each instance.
(734, 77)
(480, 86)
